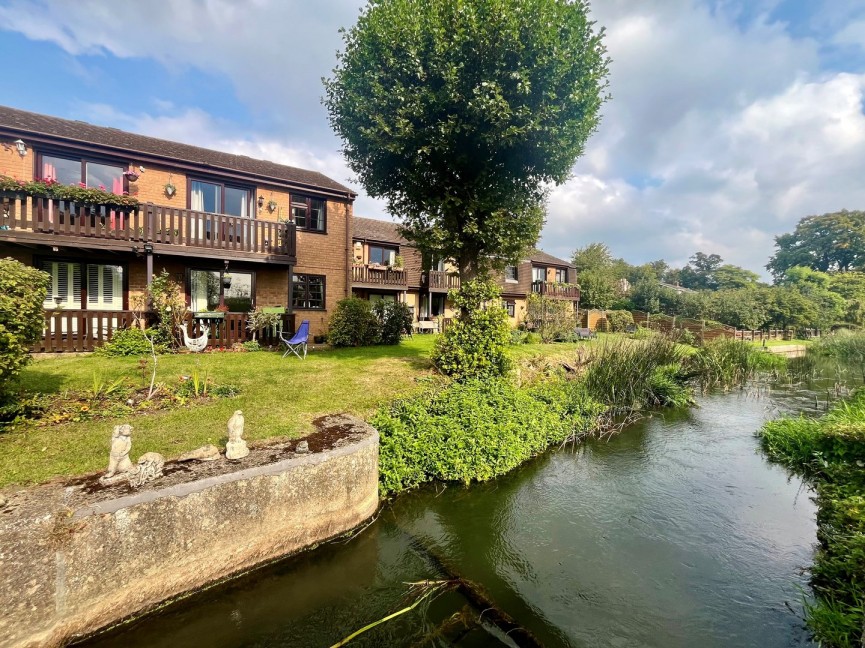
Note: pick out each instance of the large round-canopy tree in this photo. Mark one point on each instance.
(462, 113)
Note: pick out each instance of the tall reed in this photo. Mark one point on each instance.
(727, 363)
(628, 375)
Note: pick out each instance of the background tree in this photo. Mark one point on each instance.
(731, 277)
(595, 257)
(834, 241)
(699, 274)
(460, 113)
(597, 289)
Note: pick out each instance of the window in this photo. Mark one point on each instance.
(103, 289)
(210, 288)
(74, 170)
(438, 265)
(539, 274)
(377, 297)
(561, 275)
(511, 273)
(432, 305)
(510, 307)
(217, 198)
(381, 255)
(308, 213)
(308, 291)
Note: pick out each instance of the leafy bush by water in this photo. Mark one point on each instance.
(726, 363)
(474, 431)
(830, 452)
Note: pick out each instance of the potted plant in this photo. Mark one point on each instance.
(271, 205)
(170, 189)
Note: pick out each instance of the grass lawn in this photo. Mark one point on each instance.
(279, 398)
(772, 343)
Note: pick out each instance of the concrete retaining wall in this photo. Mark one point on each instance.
(68, 573)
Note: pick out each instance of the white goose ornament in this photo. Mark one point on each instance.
(194, 344)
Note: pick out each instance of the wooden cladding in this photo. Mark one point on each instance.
(86, 330)
(367, 275)
(22, 217)
(557, 290)
(439, 281)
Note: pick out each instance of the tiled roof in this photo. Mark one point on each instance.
(82, 132)
(372, 229)
(538, 256)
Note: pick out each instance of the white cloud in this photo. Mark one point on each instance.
(723, 130)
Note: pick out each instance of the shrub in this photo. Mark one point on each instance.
(164, 298)
(619, 320)
(395, 318)
(475, 343)
(131, 342)
(258, 320)
(22, 317)
(518, 336)
(533, 338)
(471, 431)
(553, 319)
(251, 345)
(354, 324)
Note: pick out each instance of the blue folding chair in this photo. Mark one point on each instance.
(297, 341)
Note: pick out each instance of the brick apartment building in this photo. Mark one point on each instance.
(234, 232)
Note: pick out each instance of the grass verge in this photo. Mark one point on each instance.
(830, 453)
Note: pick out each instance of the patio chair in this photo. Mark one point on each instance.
(585, 334)
(297, 341)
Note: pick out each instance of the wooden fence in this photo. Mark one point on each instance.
(86, 330)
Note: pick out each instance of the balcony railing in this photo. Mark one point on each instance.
(439, 281)
(86, 330)
(371, 275)
(557, 290)
(42, 219)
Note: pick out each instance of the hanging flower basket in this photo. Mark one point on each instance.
(170, 189)
(271, 206)
(132, 175)
(226, 280)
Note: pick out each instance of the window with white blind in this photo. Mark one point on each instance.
(104, 287)
(64, 291)
(103, 290)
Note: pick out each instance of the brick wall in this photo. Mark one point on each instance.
(150, 187)
(12, 164)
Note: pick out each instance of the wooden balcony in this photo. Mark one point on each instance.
(182, 232)
(86, 330)
(442, 282)
(372, 276)
(557, 290)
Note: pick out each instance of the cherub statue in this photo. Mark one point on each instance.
(121, 445)
(236, 446)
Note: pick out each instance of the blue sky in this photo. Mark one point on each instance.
(730, 119)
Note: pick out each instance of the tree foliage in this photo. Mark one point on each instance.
(831, 242)
(460, 113)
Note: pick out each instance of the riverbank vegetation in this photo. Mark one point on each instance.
(830, 453)
(475, 429)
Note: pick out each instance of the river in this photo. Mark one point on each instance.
(676, 532)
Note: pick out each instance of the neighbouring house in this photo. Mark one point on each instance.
(387, 266)
(539, 273)
(235, 232)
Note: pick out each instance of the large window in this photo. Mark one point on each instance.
(74, 170)
(103, 289)
(511, 273)
(561, 275)
(539, 274)
(308, 213)
(209, 288)
(308, 291)
(217, 198)
(381, 255)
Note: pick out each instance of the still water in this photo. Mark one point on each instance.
(676, 532)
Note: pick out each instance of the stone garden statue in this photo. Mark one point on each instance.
(120, 467)
(236, 447)
(121, 444)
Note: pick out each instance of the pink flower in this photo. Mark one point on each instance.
(102, 187)
(125, 193)
(82, 185)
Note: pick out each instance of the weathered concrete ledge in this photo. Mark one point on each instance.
(69, 571)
